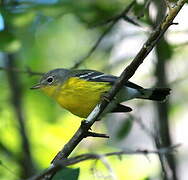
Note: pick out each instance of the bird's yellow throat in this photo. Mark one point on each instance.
(77, 95)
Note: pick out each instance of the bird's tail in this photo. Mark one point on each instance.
(156, 94)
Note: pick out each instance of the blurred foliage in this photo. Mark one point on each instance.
(44, 35)
(8, 42)
(67, 174)
(125, 128)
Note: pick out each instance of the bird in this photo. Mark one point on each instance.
(79, 91)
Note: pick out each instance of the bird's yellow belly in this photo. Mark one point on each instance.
(79, 105)
(79, 96)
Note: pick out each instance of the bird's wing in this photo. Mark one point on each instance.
(91, 75)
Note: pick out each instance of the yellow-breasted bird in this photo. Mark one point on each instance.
(79, 91)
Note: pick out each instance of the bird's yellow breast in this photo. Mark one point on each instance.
(77, 95)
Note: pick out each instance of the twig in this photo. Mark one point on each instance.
(27, 71)
(122, 15)
(113, 21)
(93, 134)
(84, 157)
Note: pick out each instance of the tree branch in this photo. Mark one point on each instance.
(84, 157)
(125, 76)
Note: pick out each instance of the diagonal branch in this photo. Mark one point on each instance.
(125, 76)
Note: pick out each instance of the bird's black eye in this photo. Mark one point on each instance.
(50, 79)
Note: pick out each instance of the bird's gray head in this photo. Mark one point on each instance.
(52, 78)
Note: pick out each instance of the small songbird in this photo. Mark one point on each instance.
(79, 91)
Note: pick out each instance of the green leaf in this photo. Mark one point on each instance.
(67, 174)
(125, 128)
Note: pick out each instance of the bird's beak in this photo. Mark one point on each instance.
(37, 86)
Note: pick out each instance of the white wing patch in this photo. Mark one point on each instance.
(95, 77)
(85, 75)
